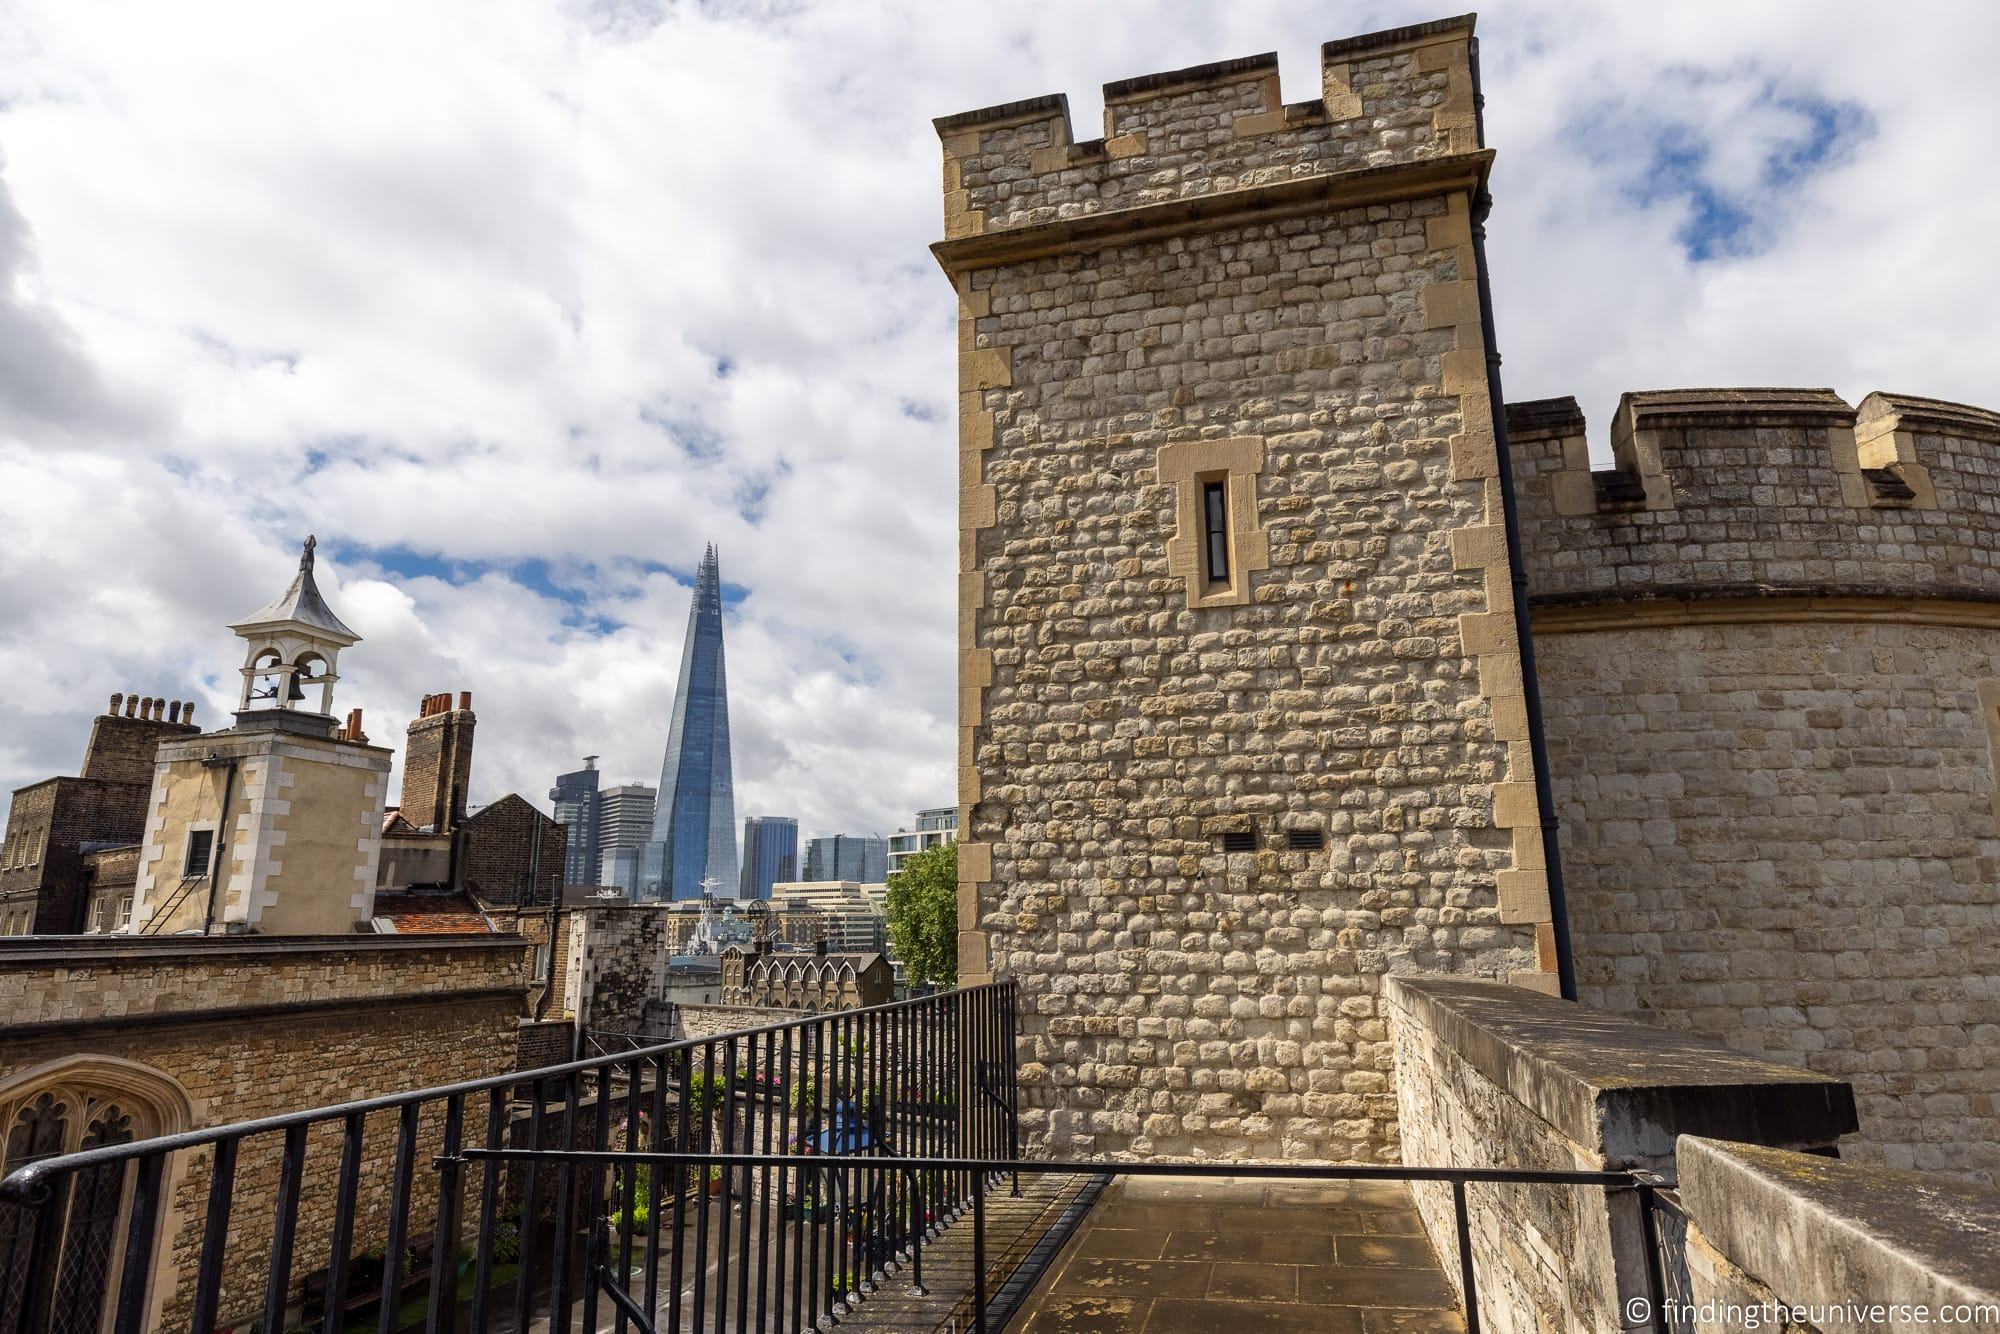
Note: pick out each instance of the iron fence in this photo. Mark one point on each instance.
(905, 1251)
(363, 1208)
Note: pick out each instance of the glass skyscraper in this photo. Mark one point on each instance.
(575, 798)
(694, 825)
(770, 854)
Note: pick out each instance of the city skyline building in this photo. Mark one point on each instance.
(693, 848)
(575, 800)
(863, 858)
(624, 827)
(770, 854)
(938, 824)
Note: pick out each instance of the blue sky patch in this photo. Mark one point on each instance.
(1724, 219)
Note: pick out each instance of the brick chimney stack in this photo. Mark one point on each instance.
(437, 762)
(126, 735)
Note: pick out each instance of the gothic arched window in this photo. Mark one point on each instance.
(81, 1102)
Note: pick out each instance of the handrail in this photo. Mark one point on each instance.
(24, 1185)
(1070, 1166)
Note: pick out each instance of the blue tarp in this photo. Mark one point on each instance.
(848, 1133)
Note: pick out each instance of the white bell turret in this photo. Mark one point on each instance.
(294, 643)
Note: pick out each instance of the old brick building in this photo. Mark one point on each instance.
(54, 826)
(1253, 715)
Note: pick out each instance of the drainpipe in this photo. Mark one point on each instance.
(1545, 809)
(220, 852)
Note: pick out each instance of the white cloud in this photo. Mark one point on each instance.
(531, 295)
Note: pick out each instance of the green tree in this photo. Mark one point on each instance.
(923, 916)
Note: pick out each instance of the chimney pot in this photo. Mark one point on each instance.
(131, 705)
(464, 699)
(117, 698)
(187, 713)
(147, 706)
(174, 711)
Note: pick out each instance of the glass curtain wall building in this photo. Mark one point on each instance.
(863, 858)
(575, 799)
(770, 854)
(694, 823)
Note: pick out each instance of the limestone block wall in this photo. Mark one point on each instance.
(249, 1027)
(1492, 1076)
(1770, 671)
(617, 963)
(1281, 300)
(1779, 1240)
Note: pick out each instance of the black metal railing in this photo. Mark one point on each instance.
(736, 1169)
(980, 1314)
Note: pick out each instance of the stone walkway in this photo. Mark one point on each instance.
(1194, 1255)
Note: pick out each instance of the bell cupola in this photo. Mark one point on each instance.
(294, 644)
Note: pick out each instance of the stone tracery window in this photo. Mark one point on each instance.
(78, 1103)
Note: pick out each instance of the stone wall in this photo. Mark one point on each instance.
(1493, 1076)
(249, 1027)
(1771, 679)
(1282, 300)
(617, 965)
(1779, 1240)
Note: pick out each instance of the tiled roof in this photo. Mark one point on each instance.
(433, 914)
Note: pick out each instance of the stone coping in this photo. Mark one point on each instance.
(21, 951)
(1818, 1231)
(1599, 1078)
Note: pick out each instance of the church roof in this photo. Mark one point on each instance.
(300, 604)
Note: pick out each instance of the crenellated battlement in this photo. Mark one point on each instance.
(1217, 135)
(1759, 493)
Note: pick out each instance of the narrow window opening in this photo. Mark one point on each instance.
(1304, 840)
(1239, 840)
(201, 845)
(1215, 514)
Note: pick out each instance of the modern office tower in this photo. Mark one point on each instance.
(854, 919)
(693, 849)
(770, 854)
(624, 827)
(934, 826)
(575, 798)
(859, 857)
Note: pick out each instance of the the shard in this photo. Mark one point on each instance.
(694, 823)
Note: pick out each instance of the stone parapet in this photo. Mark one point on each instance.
(1495, 1076)
(135, 981)
(1758, 494)
(1834, 1244)
(1390, 98)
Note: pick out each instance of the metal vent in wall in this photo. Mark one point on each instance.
(1304, 840)
(1240, 840)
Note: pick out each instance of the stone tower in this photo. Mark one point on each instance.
(1244, 719)
(273, 824)
(1769, 639)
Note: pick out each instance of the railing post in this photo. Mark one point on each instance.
(916, 1245)
(1656, 1282)
(979, 1260)
(1464, 1220)
(445, 1233)
(38, 1302)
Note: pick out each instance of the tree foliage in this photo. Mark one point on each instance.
(923, 916)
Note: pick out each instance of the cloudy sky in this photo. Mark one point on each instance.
(517, 306)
